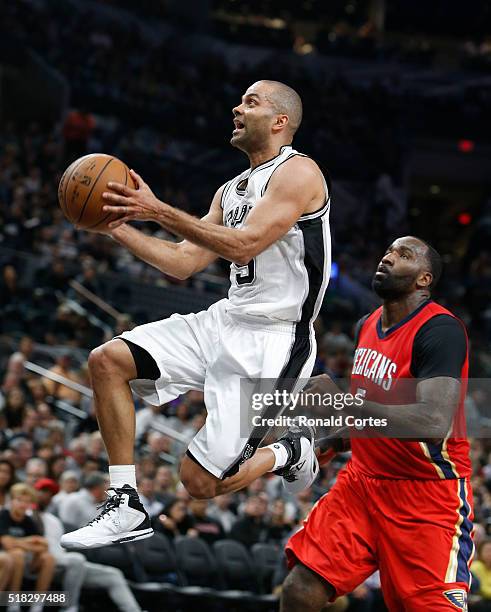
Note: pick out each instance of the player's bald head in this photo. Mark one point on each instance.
(285, 101)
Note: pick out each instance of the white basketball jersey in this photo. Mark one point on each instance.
(287, 281)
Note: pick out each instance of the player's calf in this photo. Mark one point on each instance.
(304, 590)
(199, 483)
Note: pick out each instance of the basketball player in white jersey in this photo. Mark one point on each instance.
(271, 223)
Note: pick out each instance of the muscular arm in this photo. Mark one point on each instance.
(181, 259)
(296, 187)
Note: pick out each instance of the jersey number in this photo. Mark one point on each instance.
(245, 275)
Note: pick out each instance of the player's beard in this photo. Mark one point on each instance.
(391, 286)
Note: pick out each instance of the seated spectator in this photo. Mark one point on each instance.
(207, 528)
(58, 390)
(77, 455)
(7, 564)
(174, 520)
(77, 509)
(481, 568)
(164, 484)
(22, 449)
(252, 527)
(147, 496)
(35, 469)
(7, 479)
(15, 407)
(20, 535)
(69, 483)
(147, 416)
(278, 525)
(220, 511)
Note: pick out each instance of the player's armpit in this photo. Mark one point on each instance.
(295, 187)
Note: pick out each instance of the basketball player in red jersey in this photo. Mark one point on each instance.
(403, 506)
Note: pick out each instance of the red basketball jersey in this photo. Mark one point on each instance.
(381, 360)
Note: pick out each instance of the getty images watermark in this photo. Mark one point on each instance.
(270, 405)
(289, 401)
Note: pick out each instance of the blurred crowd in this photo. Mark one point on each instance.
(171, 121)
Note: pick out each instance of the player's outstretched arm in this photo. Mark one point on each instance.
(181, 259)
(296, 187)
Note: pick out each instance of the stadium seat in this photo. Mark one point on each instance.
(265, 557)
(198, 569)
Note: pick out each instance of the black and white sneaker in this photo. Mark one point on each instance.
(302, 467)
(123, 519)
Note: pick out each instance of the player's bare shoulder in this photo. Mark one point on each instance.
(302, 178)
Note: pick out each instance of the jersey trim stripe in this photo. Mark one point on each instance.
(462, 550)
(314, 262)
(295, 154)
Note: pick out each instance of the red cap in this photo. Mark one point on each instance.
(47, 483)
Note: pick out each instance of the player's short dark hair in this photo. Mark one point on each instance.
(435, 263)
(286, 100)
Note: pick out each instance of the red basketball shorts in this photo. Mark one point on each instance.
(417, 533)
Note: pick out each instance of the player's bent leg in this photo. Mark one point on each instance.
(123, 519)
(198, 482)
(201, 484)
(111, 367)
(305, 590)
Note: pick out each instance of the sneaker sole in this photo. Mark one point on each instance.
(130, 536)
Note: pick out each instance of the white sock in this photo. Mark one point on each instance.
(280, 455)
(120, 475)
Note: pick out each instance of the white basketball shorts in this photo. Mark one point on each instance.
(211, 351)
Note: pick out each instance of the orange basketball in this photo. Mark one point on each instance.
(82, 185)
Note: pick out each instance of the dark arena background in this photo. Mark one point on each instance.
(396, 95)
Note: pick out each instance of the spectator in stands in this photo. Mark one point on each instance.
(22, 451)
(20, 535)
(164, 484)
(252, 527)
(220, 511)
(77, 509)
(63, 367)
(7, 564)
(56, 466)
(15, 366)
(207, 528)
(148, 498)
(481, 568)
(77, 129)
(35, 469)
(7, 479)
(77, 455)
(78, 571)
(69, 483)
(147, 416)
(278, 525)
(174, 520)
(14, 410)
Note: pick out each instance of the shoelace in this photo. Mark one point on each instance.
(108, 506)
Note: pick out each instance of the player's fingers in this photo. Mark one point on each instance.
(117, 199)
(120, 188)
(138, 179)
